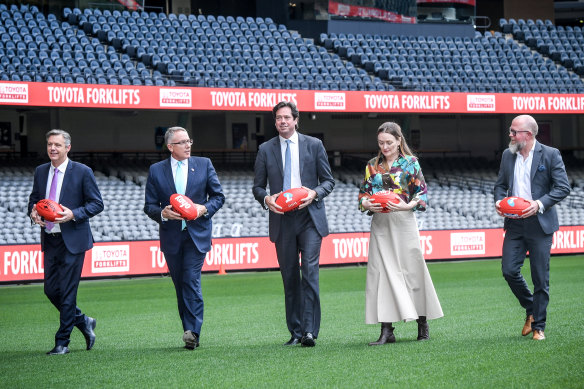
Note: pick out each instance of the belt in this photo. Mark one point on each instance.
(53, 234)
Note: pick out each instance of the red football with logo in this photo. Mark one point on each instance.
(513, 207)
(49, 209)
(383, 197)
(185, 206)
(290, 200)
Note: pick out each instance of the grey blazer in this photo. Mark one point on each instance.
(549, 182)
(315, 173)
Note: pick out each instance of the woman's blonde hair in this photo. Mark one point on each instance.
(395, 130)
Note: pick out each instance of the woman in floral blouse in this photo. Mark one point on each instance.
(399, 286)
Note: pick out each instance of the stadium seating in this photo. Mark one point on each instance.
(140, 48)
(450, 183)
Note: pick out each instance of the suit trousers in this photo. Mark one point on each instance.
(185, 271)
(298, 235)
(62, 276)
(521, 236)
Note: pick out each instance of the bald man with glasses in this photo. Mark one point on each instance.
(184, 243)
(536, 173)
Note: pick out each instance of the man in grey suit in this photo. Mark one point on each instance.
(536, 173)
(301, 231)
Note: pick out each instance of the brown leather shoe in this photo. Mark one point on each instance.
(527, 327)
(538, 335)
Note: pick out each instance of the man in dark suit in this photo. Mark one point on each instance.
(536, 173)
(65, 241)
(184, 243)
(298, 231)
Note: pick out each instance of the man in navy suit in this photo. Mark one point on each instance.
(536, 173)
(184, 243)
(301, 231)
(65, 241)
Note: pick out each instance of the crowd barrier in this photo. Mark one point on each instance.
(24, 263)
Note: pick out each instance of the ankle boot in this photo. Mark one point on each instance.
(423, 328)
(386, 336)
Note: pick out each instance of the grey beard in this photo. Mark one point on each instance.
(515, 147)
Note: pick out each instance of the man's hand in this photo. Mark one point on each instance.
(531, 210)
(36, 218)
(305, 202)
(271, 203)
(168, 213)
(66, 215)
(497, 205)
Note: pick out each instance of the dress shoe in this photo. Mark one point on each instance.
(423, 328)
(191, 340)
(292, 342)
(386, 336)
(538, 335)
(307, 340)
(86, 329)
(527, 327)
(59, 350)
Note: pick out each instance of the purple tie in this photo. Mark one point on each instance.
(53, 195)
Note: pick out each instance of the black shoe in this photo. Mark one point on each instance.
(59, 350)
(386, 336)
(423, 329)
(292, 342)
(86, 329)
(191, 340)
(308, 340)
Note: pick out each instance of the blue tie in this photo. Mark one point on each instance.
(181, 185)
(287, 168)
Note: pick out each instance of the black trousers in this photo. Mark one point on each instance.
(298, 235)
(62, 276)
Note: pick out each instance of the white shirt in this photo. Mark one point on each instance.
(62, 168)
(522, 177)
(184, 168)
(294, 157)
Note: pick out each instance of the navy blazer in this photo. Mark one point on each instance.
(549, 182)
(203, 188)
(315, 173)
(79, 193)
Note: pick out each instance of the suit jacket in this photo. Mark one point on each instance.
(79, 193)
(203, 188)
(549, 182)
(315, 173)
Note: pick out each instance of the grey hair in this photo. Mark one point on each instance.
(65, 134)
(170, 133)
(529, 123)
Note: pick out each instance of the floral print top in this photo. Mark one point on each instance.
(404, 178)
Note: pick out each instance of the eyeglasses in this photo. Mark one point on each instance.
(514, 132)
(183, 142)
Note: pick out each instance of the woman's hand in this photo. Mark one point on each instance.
(370, 206)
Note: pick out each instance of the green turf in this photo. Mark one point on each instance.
(477, 343)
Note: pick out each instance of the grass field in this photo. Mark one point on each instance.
(477, 344)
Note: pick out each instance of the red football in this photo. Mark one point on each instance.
(290, 200)
(183, 205)
(49, 209)
(383, 197)
(513, 207)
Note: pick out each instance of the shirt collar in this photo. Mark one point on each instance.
(174, 162)
(62, 167)
(293, 138)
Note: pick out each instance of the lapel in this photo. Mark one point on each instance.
(66, 179)
(302, 151)
(537, 155)
(512, 170)
(191, 171)
(277, 151)
(168, 175)
(43, 178)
